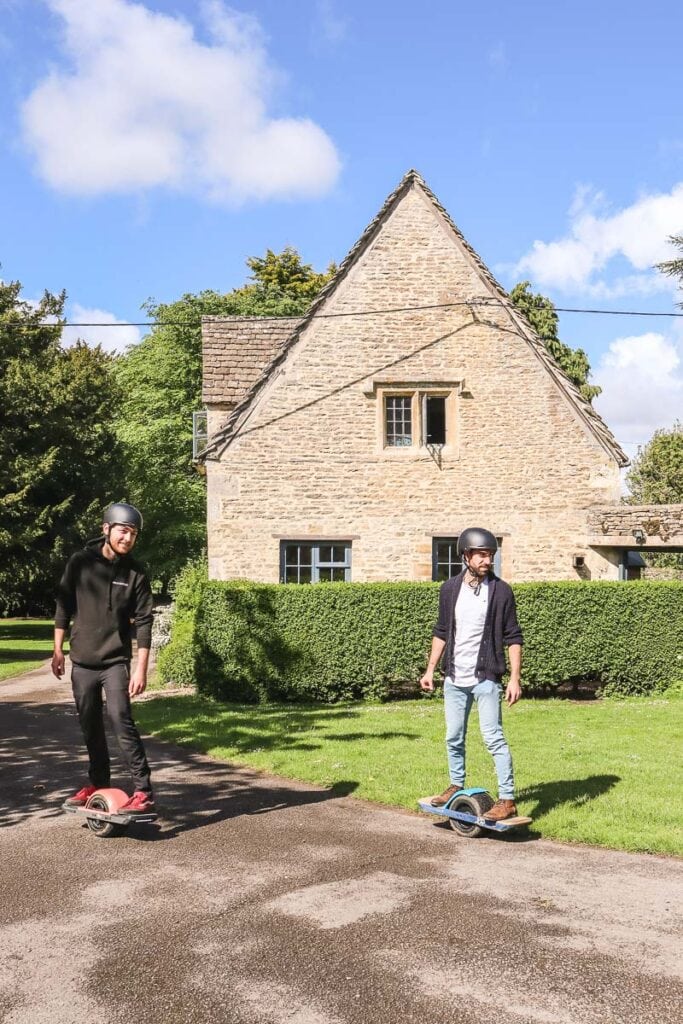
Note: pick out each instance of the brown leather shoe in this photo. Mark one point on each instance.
(443, 798)
(501, 810)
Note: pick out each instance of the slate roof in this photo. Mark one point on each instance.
(500, 301)
(235, 352)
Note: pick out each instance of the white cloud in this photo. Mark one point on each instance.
(112, 339)
(642, 381)
(144, 103)
(638, 235)
(331, 26)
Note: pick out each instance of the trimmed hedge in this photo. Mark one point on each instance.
(256, 642)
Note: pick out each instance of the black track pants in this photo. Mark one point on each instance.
(88, 684)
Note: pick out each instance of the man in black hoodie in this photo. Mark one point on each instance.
(102, 591)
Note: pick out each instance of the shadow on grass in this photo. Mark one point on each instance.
(18, 631)
(245, 729)
(42, 760)
(14, 656)
(549, 795)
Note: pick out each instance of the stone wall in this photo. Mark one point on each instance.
(310, 462)
(661, 526)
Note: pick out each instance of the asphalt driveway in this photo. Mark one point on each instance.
(257, 899)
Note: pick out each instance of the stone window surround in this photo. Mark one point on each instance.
(417, 390)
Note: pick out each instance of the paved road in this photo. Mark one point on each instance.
(261, 900)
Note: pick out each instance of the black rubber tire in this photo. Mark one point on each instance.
(99, 828)
(478, 804)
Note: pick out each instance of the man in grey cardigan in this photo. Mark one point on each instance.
(477, 621)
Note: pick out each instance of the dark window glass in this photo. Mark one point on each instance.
(435, 419)
(445, 559)
(446, 562)
(398, 421)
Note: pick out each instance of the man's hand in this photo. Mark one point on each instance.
(513, 692)
(58, 664)
(427, 681)
(138, 683)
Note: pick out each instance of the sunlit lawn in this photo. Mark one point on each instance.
(606, 773)
(24, 645)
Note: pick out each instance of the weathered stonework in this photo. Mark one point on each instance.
(647, 527)
(304, 457)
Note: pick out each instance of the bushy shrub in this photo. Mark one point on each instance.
(346, 641)
(177, 660)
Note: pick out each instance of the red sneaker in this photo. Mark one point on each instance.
(139, 803)
(81, 798)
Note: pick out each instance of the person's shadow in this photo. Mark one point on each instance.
(548, 795)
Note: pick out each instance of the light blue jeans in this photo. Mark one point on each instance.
(458, 704)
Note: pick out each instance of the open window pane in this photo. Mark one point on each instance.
(398, 421)
(435, 419)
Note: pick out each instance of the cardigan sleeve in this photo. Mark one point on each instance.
(441, 628)
(512, 632)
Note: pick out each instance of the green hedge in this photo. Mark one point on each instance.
(344, 641)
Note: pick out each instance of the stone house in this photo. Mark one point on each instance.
(412, 400)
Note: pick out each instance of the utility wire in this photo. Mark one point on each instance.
(482, 303)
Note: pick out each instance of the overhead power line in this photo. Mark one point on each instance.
(479, 303)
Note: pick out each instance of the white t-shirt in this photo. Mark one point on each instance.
(470, 616)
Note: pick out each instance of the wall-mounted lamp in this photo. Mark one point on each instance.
(578, 561)
(639, 535)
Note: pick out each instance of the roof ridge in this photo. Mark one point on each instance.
(584, 409)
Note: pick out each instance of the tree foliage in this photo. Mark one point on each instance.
(656, 478)
(56, 448)
(541, 314)
(674, 268)
(160, 382)
(656, 475)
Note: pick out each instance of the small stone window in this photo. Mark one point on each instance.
(398, 420)
(446, 562)
(414, 418)
(315, 561)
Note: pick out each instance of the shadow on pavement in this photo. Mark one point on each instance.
(42, 760)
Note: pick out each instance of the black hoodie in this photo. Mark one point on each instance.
(102, 598)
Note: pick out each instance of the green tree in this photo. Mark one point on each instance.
(57, 448)
(160, 383)
(674, 268)
(656, 478)
(656, 474)
(541, 314)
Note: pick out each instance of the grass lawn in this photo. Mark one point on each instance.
(606, 773)
(24, 645)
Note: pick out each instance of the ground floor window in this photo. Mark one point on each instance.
(313, 561)
(446, 561)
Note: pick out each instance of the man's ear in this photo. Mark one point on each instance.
(106, 527)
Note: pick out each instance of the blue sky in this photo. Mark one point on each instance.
(148, 148)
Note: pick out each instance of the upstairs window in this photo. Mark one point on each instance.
(446, 561)
(315, 561)
(418, 418)
(398, 421)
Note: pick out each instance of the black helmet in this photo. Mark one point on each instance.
(122, 514)
(475, 537)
